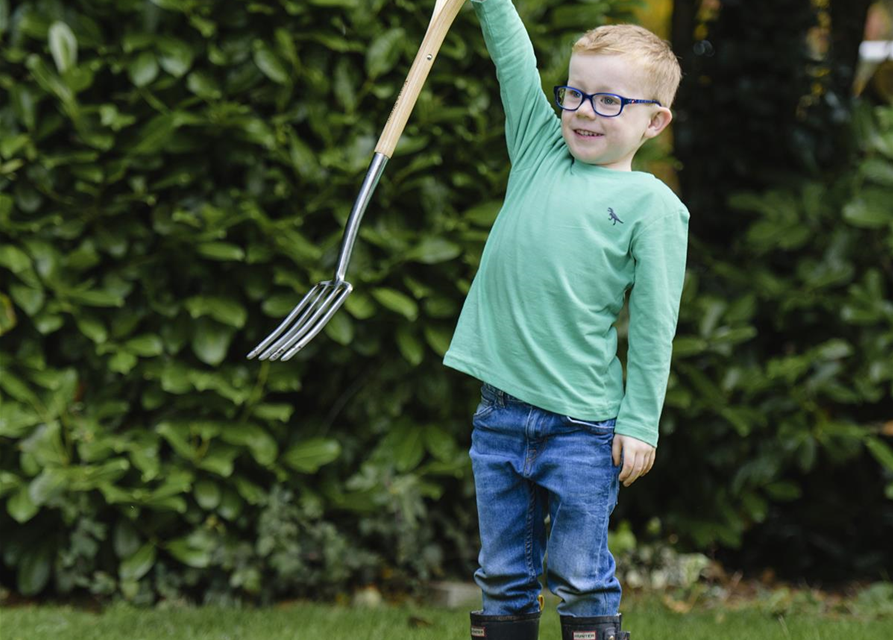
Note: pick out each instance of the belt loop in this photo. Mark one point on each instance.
(501, 395)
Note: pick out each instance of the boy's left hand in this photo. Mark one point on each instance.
(638, 458)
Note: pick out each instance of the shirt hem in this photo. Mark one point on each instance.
(526, 395)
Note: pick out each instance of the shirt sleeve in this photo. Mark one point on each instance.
(529, 117)
(660, 252)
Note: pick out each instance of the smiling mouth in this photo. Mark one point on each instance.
(582, 133)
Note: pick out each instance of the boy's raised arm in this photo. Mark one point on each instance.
(529, 116)
(660, 252)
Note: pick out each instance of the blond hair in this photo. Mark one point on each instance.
(660, 68)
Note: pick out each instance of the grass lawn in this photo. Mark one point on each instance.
(646, 619)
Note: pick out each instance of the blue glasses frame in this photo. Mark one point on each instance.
(590, 96)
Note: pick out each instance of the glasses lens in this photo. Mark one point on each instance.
(569, 98)
(607, 104)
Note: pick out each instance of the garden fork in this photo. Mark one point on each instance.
(313, 312)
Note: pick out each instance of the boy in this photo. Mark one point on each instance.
(554, 433)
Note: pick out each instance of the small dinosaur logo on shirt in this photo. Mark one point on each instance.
(614, 217)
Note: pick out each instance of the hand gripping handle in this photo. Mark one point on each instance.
(445, 12)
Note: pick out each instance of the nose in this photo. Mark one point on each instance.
(587, 110)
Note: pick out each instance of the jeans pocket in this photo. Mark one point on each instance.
(486, 405)
(483, 409)
(601, 426)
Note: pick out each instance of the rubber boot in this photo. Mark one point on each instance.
(592, 628)
(524, 626)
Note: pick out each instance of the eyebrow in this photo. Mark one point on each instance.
(578, 85)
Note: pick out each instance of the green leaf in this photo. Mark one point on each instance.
(92, 327)
(438, 306)
(14, 258)
(207, 494)
(20, 506)
(16, 420)
(17, 388)
(359, 305)
(384, 52)
(870, 209)
(210, 341)
(269, 411)
(252, 493)
(784, 491)
(49, 484)
(155, 134)
(438, 338)
(271, 65)
(881, 452)
(439, 443)
(484, 214)
(29, 299)
(311, 454)
(833, 349)
(96, 298)
(221, 251)
(408, 448)
(35, 568)
(175, 56)
(224, 310)
(410, 346)
(177, 437)
(219, 460)
(230, 505)
(50, 82)
(146, 345)
(122, 362)
(9, 482)
(397, 301)
(46, 445)
(432, 250)
(262, 445)
(47, 323)
(190, 553)
(346, 4)
(63, 46)
(183, 6)
(7, 315)
(340, 328)
(139, 564)
(125, 539)
(688, 346)
(143, 69)
(203, 85)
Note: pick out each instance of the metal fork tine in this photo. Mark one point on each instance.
(309, 302)
(301, 328)
(274, 351)
(285, 323)
(319, 325)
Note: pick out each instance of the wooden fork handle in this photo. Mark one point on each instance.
(445, 12)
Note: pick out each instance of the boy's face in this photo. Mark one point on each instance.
(618, 138)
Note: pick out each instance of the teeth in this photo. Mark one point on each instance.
(587, 133)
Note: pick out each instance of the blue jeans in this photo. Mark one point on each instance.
(528, 462)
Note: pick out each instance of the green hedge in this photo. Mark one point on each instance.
(174, 176)
(790, 205)
(778, 412)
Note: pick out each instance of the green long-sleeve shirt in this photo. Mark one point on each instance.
(570, 240)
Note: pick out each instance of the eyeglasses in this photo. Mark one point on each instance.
(608, 105)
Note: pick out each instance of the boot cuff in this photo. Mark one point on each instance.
(478, 616)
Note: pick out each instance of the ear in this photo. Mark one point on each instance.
(661, 117)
